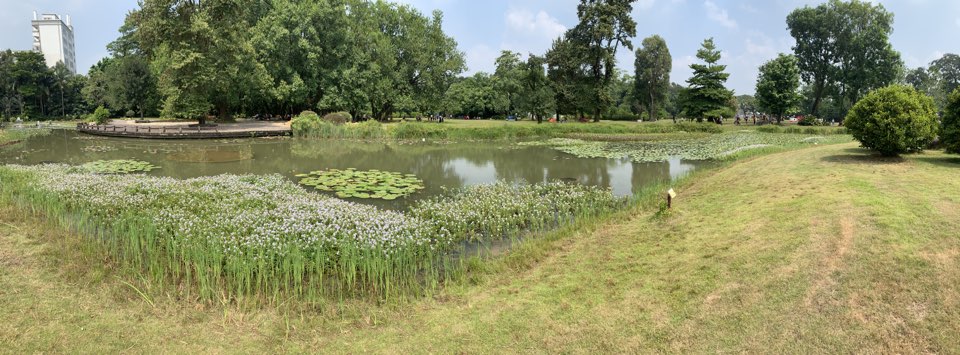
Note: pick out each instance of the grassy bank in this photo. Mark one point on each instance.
(825, 249)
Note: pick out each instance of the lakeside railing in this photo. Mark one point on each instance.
(173, 132)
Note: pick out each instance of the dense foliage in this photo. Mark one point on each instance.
(778, 86)
(843, 48)
(653, 65)
(894, 120)
(31, 90)
(950, 132)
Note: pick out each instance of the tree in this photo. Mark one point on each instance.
(747, 104)
(508, 77)
(675, 100)
(604, 26)
(130, 85)
(653, 65)
(778, 86)
(867, 60)
(476, 96)
(946, 72)
(950, 131)
(567, 76)
(844, 45)
(707, 95)
(537, 97)
(202, 54)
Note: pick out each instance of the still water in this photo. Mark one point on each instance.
(439, 165)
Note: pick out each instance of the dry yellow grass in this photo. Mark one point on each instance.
(826, 249)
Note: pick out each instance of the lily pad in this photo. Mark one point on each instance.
(118, 167)
(371, 184)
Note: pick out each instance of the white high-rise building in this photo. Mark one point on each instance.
(54, 38)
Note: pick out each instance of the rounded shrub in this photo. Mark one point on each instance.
(950, 135)
(99, 116)
(893, 120)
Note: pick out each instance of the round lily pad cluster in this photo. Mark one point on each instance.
(370, 184)
(118, 167)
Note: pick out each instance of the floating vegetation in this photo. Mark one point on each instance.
(371, 184)
(118, 167)
(211, 156)
(99, 148)
(228, 237)
(704, 148)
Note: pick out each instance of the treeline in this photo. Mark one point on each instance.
(31, 90)
(371, 58)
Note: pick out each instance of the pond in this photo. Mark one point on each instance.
(439, 165)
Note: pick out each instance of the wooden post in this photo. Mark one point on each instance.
(670, 195)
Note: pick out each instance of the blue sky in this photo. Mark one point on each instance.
(748, 32)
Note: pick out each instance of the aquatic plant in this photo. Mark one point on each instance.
(229, 237)
(118, 167)
(374, 184)
(705, 148)
(500, 210)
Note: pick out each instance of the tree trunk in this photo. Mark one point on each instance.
(596, 117)
(63, 112)
(817, 95)
(652, 109)
(223, 112)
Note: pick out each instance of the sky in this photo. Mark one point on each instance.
(749, 32)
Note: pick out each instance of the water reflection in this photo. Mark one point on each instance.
(439, 165)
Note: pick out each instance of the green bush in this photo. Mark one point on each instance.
(338, 117)
(810, 121)
(950, 135)
(893, 120)
(99, 116)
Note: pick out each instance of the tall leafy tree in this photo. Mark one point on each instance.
(130, 85)
(946, 71)
(867, 60)
(674, 103)
(508, 77)
(202, 54)
(844, 47)
(605, 26)
(653, 65)
(813, 29)
(568, 76)
(778, 86)
(537, 95)
(707, 96)
(476, 96)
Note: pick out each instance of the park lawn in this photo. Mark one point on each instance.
(824, 249)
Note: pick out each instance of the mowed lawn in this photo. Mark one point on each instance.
(825, 249)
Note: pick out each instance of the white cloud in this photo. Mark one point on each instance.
(524, 21)
(481, 58)
(958, 21)
(719, 14)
